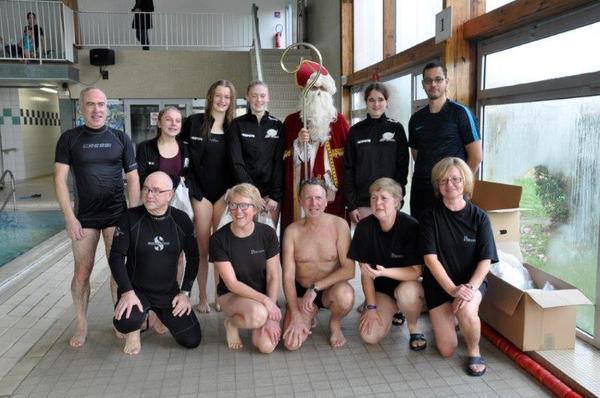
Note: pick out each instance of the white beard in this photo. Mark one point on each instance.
(320, 113)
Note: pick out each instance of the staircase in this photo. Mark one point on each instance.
(285, 95)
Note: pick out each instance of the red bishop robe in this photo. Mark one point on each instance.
(334, 148)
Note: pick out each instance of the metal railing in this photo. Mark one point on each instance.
(48, 37)
(164, 30)
(256, 41)
(12, 190)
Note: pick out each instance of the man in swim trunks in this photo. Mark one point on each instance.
(97, 155)
(316, 269)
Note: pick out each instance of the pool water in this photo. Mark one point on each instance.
(21, 231)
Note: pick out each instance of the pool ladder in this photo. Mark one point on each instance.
(12, 189)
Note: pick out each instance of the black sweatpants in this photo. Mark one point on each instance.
(185, 329)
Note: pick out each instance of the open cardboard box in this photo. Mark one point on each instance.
(534, 319)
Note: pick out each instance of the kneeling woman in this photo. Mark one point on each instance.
(458, 244)
(385, 245)
(246, 255)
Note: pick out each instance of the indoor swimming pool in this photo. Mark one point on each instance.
(21, 231)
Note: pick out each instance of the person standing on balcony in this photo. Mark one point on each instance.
(442, 128)
(35, 36)
(210, 170)
(142, 21)
(98, 155)
(256, 148)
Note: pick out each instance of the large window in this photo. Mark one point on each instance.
(415, 21)
(544, 135)
(368, 32)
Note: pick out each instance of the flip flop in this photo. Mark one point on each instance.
(475, 361)
(398, 319)
(418, 337)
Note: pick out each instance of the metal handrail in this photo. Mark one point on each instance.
(256, 40)
(13, 190)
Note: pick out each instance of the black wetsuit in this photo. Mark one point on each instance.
(210, 168)
(257, 153)
(248, 256)
(436, 136)
(152, 246)
(148, 160)
(97, 158)
(375, 148)
(460, 239)
(395, 248)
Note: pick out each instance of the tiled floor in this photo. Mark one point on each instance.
(36, 322)
(36, 318)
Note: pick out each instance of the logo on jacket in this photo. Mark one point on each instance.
(271, 133)
(118, 232)
(394, 255)
(252, 251)
(367, 141)
(194, 138)
(388, 137)
(469, 240)
(158, 243)
(247, 135)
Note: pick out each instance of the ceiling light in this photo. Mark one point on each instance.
(49, 90)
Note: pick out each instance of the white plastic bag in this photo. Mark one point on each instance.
(510, 269)
(181, 200)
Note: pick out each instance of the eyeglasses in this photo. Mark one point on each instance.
(453, 180)
(155, 191)
(241, 206)
(437, 80)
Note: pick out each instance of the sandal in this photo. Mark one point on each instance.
(475, 361)
(398, 319)
(420, 338)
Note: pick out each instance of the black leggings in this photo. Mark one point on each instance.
(185, 329)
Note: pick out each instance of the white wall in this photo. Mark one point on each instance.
(266, 9)
(10, 128)
(39, 131)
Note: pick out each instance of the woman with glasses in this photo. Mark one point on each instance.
(458, 247)
(211, 171)
(246, 255)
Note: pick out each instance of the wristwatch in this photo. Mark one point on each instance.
(314, 288)
(185, 292)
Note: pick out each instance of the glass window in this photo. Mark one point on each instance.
(359, 108)
(368, 32)
(552, 149)
(564, 54)
(415, 21)
(493, 4)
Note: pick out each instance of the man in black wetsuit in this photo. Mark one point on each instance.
(152, 237)
(97, 155)
(441, 129)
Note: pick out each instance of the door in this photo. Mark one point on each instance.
(141, 116)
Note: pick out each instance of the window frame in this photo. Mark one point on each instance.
(582, 85)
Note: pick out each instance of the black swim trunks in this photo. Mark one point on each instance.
(301, 290)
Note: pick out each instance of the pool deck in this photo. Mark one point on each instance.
(36, 321)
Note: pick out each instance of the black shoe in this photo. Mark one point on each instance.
(398, 319)
(145, 48)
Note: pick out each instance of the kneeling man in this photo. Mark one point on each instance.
(152, 237)
(316, 269)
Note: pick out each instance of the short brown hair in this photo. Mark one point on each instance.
(441, 169)
(312, 181)
(390, 186)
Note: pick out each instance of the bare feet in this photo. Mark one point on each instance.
(233, 335)
(133, 343)
(203, 307)
(337, 338)
(78, 338)
(118, 335)
(217, 306)
(156, 324)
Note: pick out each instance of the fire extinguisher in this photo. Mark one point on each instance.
(277, 38)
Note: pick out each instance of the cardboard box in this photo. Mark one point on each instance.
(535, 319)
